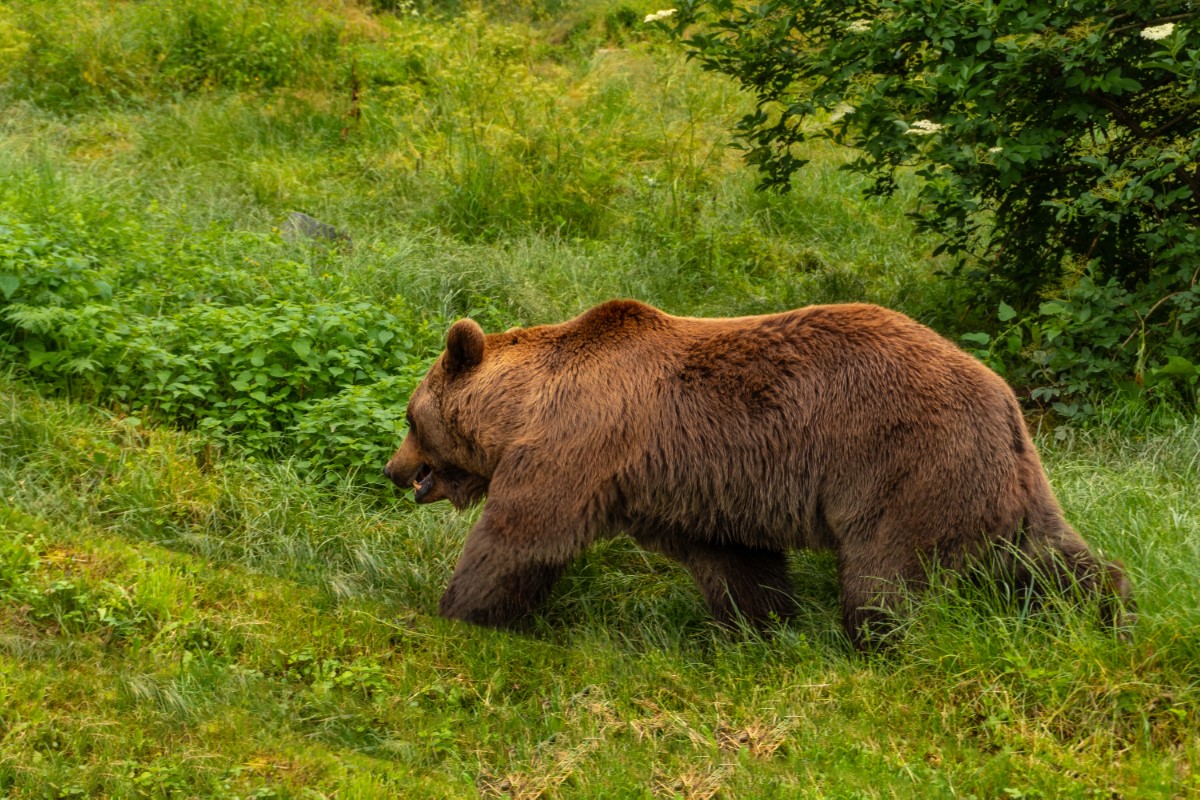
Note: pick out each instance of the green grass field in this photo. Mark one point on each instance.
(207, 590)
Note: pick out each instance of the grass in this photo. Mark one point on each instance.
(225, 629)
(183, 619)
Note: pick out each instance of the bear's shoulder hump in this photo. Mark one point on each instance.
(617, 315)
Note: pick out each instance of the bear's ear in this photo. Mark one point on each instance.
(464, 346)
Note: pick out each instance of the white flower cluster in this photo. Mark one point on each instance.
(923, 127)
(1158, 32)
(840, 111)
(859, 26)
(659, 15)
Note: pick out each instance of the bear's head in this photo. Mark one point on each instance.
(460, 420)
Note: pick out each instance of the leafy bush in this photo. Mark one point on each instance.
(1051, 140)
(1099, 334)
(1074, 126)
(206, 347)
(357, 428)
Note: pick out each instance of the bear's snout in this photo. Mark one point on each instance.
(399, 474)
(402, 468)
(409, 470)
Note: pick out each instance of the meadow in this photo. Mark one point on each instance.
(207, 589)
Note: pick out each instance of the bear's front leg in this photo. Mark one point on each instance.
(512, 558)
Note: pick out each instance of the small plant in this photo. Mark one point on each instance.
(322, 675)
(18, 560)
(66, 604)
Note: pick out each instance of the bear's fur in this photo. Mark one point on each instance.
(724, 443)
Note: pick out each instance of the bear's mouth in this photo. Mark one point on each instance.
(423, 483)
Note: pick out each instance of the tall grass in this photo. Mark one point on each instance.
(470, 130)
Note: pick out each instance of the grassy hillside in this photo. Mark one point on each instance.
(173, 627)
(206, 589)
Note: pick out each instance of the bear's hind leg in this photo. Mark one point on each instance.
(1069, 564)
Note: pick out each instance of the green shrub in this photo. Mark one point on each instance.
(356, 429)
(284, 366)
(1043, 132)
(1100, 334)
(42, 270)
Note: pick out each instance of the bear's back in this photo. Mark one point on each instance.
(770, 428)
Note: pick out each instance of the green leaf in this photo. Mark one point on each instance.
(1006, 312)
(9, 285)
(1051, 308)
(1177, 365)
(979, 338)
(302, 347)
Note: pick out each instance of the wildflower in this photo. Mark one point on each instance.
(858, 26)
(995, 150)
(1158, 32)
(924, 127)
(659, 15)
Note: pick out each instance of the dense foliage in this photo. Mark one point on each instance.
(1057, 145)
(118, 315)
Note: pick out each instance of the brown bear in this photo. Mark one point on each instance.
(724, 443)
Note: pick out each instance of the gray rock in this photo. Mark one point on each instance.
(300, 226)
